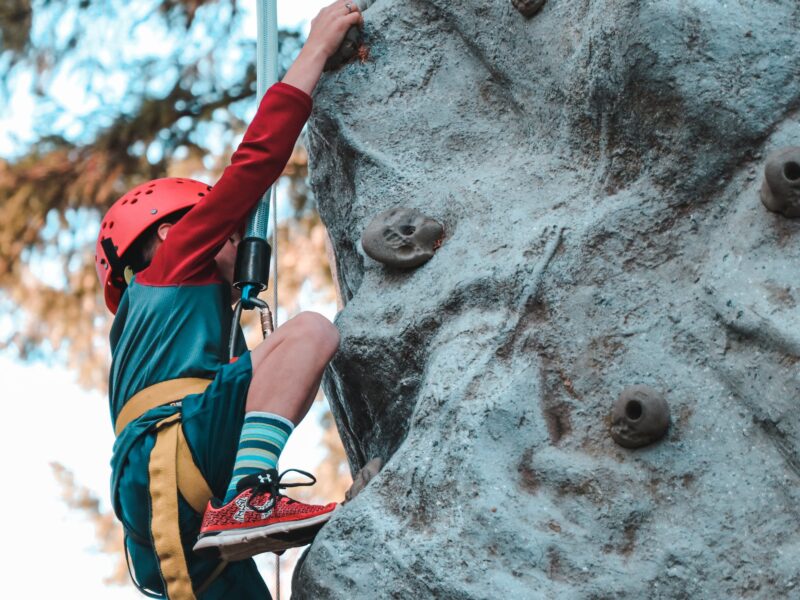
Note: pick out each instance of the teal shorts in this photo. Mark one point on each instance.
(212, 423)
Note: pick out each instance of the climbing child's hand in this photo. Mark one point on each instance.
(331, 24)
(327, 32)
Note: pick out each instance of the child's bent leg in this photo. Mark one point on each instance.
(288, 366)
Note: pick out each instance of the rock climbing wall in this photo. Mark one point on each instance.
(597, 167)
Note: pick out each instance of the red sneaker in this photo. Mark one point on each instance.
(260, 519)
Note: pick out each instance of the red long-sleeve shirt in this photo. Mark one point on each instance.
(187, 255)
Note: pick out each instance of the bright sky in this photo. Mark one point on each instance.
(48, 417)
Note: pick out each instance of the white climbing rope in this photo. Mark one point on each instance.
(275, 253)
(277, 577)
(267, 75)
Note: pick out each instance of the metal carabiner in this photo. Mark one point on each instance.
(267, 324)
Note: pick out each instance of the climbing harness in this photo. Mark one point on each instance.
(172, 470)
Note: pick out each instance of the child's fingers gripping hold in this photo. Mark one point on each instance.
(331, 24)
(327, 33)
(342, 14)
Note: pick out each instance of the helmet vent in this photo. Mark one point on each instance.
(111, 225)
(124, 202)
(201, 194)
(134, 201)
(149, 192)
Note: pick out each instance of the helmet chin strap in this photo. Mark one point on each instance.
(118, 268)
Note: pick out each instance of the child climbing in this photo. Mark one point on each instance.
(192, 427)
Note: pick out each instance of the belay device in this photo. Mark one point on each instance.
(251, 274)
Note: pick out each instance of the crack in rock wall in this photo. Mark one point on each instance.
(597, 171)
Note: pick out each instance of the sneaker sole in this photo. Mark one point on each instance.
(239, 544)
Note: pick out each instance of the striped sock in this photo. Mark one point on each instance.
(263, 437)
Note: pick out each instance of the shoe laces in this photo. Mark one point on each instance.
(267, 482)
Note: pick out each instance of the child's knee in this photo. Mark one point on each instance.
(323, 332)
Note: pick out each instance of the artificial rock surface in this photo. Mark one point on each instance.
(597, 171)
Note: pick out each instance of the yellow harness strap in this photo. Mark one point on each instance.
(166, 392)
(172, 469)
(164, 525)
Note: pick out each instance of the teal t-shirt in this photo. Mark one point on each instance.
(162, 333)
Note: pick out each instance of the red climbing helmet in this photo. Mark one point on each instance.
(129, 217)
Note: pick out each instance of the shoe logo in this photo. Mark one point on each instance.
(243, 509)
(241, 504)
(265, 478)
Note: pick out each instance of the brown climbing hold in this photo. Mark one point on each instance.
(402, 238)
(353, 44)
(348, 50)
(640, 417)
(362, 478)
(528, 8)
(781, 189)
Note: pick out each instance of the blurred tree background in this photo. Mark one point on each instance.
(123, 92)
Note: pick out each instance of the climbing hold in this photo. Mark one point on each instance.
(347, 51)
(363, 477)
(528, 8)
(352, 45)
(402, 237)
(781, 189)
(640, 417)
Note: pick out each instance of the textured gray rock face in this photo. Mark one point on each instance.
(597, 170)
